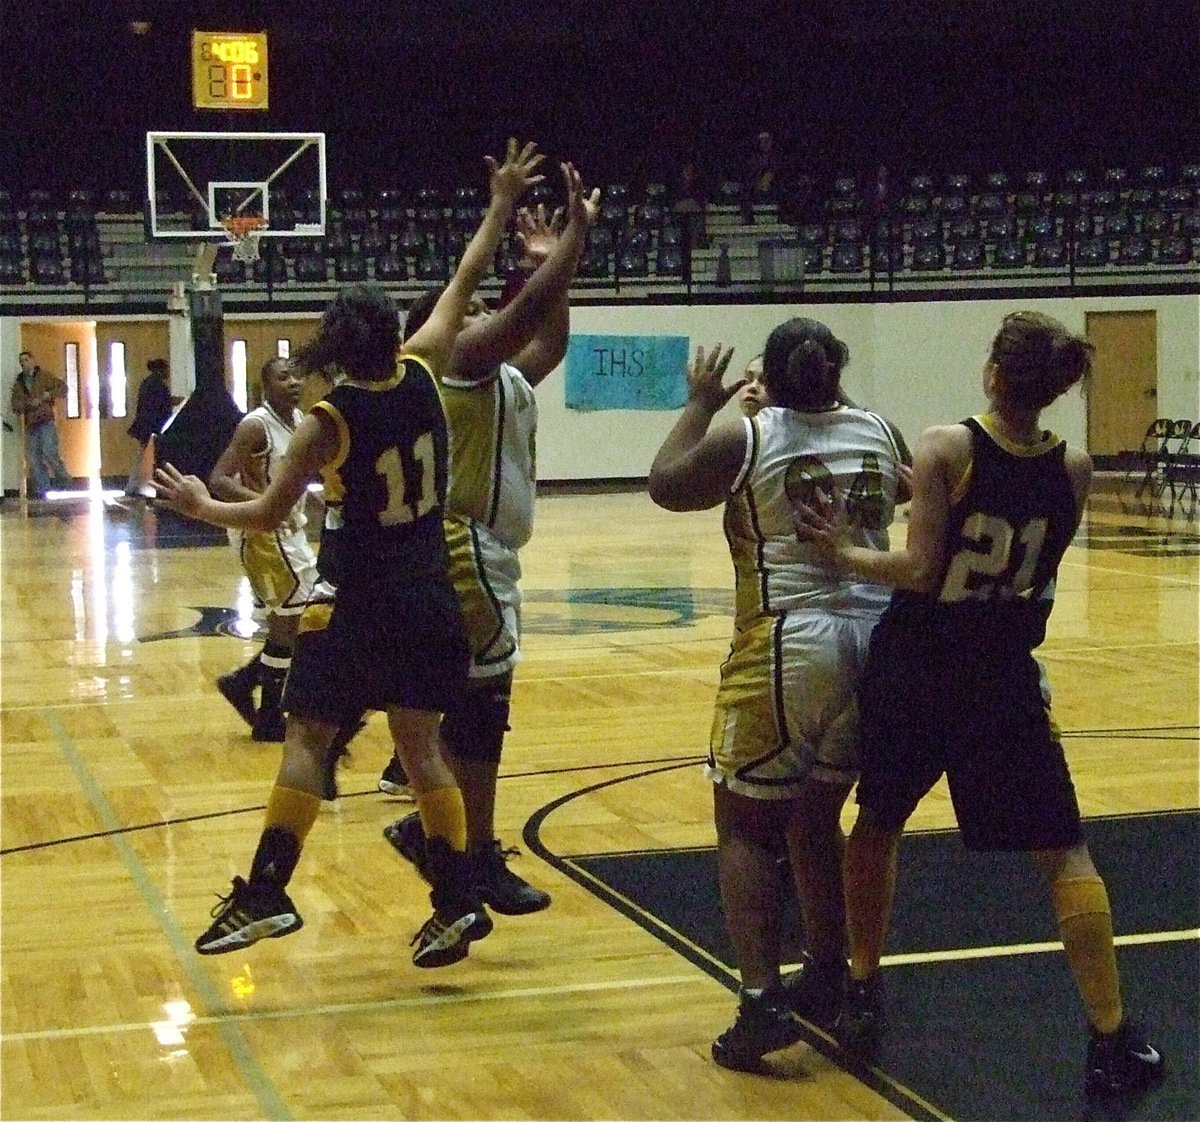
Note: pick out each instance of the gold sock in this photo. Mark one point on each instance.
(443, 816)
(292, 810)
(1085, 924)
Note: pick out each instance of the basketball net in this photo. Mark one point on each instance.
(243, 231)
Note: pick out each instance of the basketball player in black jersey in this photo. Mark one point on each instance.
(951, 685)
(393, 638)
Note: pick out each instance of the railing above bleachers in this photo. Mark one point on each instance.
(1111, 232)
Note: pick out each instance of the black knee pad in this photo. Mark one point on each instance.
(475, 728)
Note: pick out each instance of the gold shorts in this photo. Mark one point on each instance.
(785, 710)
(485, 573)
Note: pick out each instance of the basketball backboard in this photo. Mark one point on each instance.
(194, 180)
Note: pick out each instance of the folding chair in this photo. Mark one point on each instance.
(1154, 476)
(1140, 460)
(1183, 465)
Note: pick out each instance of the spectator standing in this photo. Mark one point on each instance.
(34, 393)
(154, 404)
(689, 205)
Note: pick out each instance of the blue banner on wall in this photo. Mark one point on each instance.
(627, 371)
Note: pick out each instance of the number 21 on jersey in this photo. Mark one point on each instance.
(999, 562)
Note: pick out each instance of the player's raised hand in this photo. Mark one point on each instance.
(591, 204)
(179, 492)
(536, 233)
(510, 179)
(706, 378)
(583, 206)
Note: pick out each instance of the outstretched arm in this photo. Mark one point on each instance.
(546, 349)
(314, 445)
(695, 468)
(434, 339)
(532, 330)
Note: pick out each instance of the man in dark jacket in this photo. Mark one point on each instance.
(34, 393)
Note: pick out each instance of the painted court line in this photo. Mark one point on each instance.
(426, 1001)
(1162, 578)
(1031, 948)
(269, 1100)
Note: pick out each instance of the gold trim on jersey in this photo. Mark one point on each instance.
(1039, 447)
(330, 469)
(959, 490)
(408, 356)
(405, 356)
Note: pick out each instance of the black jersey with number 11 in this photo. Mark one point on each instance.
(385, 489)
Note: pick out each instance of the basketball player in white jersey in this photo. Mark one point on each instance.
(783, 748)
(498, 360)
(280, 564)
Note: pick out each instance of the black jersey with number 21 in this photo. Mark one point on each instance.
(1006, 534)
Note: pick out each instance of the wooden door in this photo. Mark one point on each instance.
(262, 339)
(139, 343)
(49, 342)
(1122, 399)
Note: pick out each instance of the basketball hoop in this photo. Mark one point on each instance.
(243, 232)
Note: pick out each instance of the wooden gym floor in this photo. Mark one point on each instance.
(132, 793)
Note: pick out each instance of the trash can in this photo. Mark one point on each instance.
(780, 261)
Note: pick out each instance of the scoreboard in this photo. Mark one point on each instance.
(229, 70)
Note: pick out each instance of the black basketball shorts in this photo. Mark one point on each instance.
(976, 715)
(379, 647)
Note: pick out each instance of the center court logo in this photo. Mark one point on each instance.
(569, 611)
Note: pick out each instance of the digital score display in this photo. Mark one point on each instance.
(229, 70)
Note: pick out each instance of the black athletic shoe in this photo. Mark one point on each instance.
(407, 837)
(1120, 1061)
(447, 935)
(250, 912)
(815, 991)
(394, 780)
(762, 1025)
(238, 689)
(859, 1025)
(499, 887)
(269, 727)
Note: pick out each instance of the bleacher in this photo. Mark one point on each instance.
(1078, 229)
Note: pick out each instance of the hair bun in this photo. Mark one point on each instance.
(1071, 355)
(1038, 358)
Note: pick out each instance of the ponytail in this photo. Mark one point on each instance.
(802, 365)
